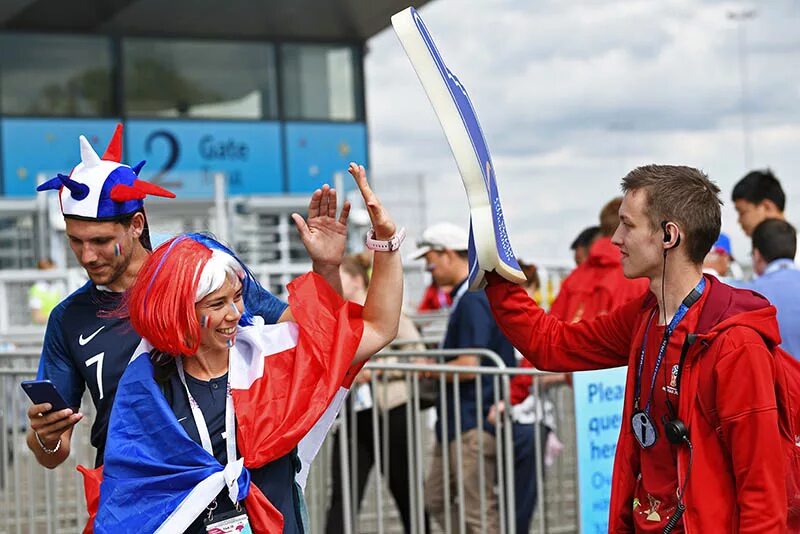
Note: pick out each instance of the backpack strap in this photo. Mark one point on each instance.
(707, 394)
(721, 296)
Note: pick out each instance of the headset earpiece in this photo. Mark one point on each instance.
(668, 236)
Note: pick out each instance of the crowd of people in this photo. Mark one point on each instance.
(212, 396)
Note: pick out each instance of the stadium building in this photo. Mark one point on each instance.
(268, 96)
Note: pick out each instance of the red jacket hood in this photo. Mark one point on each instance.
(603, 252)
(728, 306)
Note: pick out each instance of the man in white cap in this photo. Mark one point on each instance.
(471, 325)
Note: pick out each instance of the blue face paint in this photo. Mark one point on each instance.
(203, 321)
(235, 309)
(117, 249)
(230, 342)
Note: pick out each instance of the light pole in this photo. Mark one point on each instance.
(741, 17)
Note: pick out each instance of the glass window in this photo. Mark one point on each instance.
(321, 82)
(55, 75)
(201, 79)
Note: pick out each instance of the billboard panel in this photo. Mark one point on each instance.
(183, 156)
(315, 152)
(48, 146)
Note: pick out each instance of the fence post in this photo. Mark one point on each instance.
(42, 239)
(221, 207)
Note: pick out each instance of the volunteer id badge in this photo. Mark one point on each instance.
(229, 522)
(643, 429)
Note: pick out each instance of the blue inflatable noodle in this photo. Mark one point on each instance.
(490, 247)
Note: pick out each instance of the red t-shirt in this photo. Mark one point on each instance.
(434, 299)
(657, 487)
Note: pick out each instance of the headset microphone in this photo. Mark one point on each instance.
(676, 431)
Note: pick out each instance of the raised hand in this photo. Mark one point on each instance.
(382, 223)
(323, 235)
(381, 312)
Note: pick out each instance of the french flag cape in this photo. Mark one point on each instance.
(288, 382)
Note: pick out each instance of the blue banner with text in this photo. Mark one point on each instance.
(599, 398)
(183, 156)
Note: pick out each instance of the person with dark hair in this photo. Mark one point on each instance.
(580, 246)
(597, 285)
(774, 248)
(675, 469)
(756, 197)
(84, 347)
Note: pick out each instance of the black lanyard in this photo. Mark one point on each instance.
(687, 303)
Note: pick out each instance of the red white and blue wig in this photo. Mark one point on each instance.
(103, 189)
(179, 273)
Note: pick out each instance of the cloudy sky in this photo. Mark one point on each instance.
(573, 94)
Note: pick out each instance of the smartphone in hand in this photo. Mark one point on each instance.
(41, 391)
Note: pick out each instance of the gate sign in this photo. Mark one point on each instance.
(599, 397)
(184, 155)
(490, 247)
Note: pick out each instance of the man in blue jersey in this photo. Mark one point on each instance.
(86, 344)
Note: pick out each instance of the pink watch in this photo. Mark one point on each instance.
(385, 246)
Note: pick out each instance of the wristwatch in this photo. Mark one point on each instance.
(388, 245)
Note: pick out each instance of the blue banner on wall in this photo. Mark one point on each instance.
(49, 146)
(315, 152)
(183, 156)
(599, 398)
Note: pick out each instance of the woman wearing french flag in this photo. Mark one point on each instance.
(216, 421)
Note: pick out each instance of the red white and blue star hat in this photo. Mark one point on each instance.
(103, 189)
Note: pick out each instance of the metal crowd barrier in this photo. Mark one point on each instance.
(417, 453)
(34, 499)
(377, 513)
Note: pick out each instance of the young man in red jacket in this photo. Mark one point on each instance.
(687, 334)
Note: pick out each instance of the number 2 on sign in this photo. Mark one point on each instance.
(98, 359)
